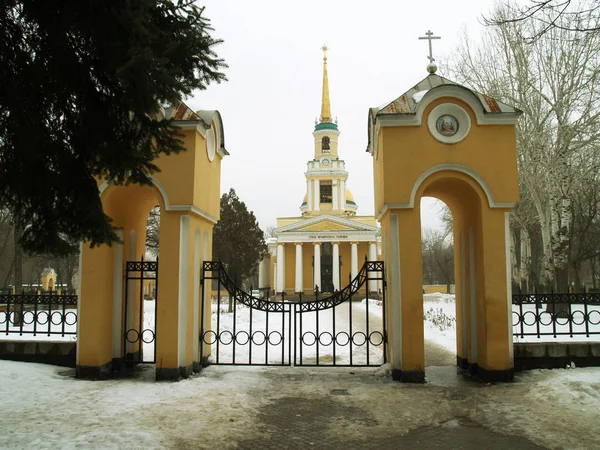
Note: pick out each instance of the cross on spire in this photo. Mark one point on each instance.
(324, 48)
(429, 36)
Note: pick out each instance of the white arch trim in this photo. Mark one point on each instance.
(452, 167)
(168, 206)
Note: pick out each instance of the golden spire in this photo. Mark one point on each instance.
(325, 106)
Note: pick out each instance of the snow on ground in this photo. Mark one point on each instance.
(45, 407)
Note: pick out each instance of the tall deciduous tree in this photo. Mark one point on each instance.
(555, 82)
(237, 239)
(82, 82)
(582, 16)
(438, 258)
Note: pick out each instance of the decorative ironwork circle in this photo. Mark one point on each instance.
(60, 318)
(518, 316)
(211, 333)
(548, 315)
(328, 341)
(28, 314)
(17, 318)
(242, 333)
(74, 318)
(590, 317)
(533, 315)
(226, 337)
(582, 318)
(362, 337)
(559, 316)
(261, 334)
(39, 314)
(380, 340)
(345, 336)
(5, 317)
(275, 333)
(145, 333)
(136, 334)
(309, 333)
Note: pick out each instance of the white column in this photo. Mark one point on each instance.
(299, 281)
(196, 314)
(473, 299)
(316, 195)
(342, 194)
(334, 191)
(263, 272)
(317, 266)
(354, 262)
(117, 335)
(373, 257)
(309, 195)
(336, 266)
(184, 271)
(280, 268)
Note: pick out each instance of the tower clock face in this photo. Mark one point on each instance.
(325, 162)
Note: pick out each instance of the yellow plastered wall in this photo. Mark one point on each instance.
(187, 180)
(404, 154)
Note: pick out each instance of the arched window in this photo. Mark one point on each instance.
(325, 144)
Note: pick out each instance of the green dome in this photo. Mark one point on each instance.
(326, 126)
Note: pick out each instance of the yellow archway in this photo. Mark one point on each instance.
(442, 140)
(187, 188)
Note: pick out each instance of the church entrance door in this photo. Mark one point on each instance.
(326, 268)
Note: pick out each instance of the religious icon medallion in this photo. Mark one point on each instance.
(446, 125)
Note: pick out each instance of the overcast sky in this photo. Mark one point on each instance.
(273, 95)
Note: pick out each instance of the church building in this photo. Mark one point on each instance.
(327, 244)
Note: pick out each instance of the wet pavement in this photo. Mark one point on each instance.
(339, 421)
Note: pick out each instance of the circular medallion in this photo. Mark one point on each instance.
(446, 125)
(449, 123)
(325, 162)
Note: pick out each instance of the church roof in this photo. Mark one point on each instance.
(408, 102)
(335, 223)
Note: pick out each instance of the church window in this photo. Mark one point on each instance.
(325, 193)
(326, 249)
(325, 144)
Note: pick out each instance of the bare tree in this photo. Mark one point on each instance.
(438, 258)
(554, 81)
(580, 16)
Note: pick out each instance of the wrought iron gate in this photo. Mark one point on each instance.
(343, 329)
(139, 317)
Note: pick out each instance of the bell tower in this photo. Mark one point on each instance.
(326, 175)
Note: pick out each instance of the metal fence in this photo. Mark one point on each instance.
(556, 315)
(38, 315)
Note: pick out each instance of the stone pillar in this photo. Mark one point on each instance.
(299, 280)
(263, 272)
(354, 260)
(372, 257)
(336, 266)
(309, 195)
(342, 195)
(280, 268)
(317, 265)
(316, 193)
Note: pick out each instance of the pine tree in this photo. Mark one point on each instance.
(81, 84)
(237, 239)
